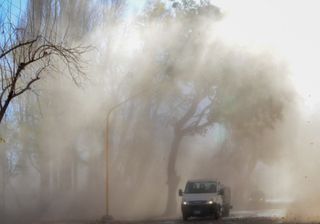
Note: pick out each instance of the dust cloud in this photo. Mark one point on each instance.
(239, 73)
(286, 29)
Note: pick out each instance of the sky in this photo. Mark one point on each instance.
(284, 28)
(12, 8)
(288, 30)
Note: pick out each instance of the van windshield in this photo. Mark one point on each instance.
(200, 187)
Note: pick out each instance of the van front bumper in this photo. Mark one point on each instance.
(199, 209)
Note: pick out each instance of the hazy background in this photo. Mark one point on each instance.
(227, 91)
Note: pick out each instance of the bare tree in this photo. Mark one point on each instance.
(25, 59)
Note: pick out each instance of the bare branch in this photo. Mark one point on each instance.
(199, 117)
(2, 94)
(37, 52)
(28, 86)
(5, 52)
(189, 113)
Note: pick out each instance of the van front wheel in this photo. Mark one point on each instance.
(226, 211)
(218, 213)
(185, 217)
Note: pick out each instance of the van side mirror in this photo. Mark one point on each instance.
(180, 192)
(221, 192)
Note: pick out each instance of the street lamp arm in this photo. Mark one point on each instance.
(123, 102)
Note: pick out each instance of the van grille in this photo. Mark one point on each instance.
(197, 202)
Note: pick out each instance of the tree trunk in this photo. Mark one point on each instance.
(44, 183)
(173, 178)
(74, 172)
(65, 171)
(3, 110)
(3, 187)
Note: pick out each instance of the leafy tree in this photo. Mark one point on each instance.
(208, 86)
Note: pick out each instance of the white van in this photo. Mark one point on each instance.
(204, 198)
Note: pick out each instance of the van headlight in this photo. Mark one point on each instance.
(184, 202)
(210, 202)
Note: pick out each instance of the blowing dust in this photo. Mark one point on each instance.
(239, 85)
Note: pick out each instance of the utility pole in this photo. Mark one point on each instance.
(107, 164)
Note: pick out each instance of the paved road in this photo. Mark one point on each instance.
(263, 216)
(242, 220)
(271, 216)
(248, 220)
